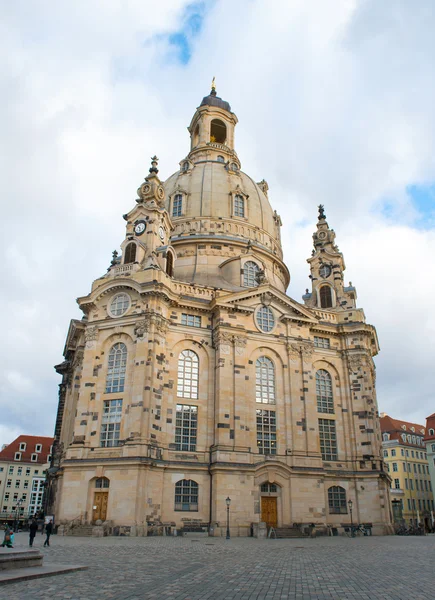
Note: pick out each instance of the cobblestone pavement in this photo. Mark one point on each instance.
(338, 568)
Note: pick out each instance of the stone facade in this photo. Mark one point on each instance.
(193, 376)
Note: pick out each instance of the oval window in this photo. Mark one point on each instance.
(119, 305)
(265, 319)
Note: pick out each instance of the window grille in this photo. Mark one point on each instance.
(239, 206)
(119, 305)
(190, 320)
(116, 369)
(250, 272)
(337, 500)
(111, 423)
(186, 427)
(265, 380)
(186, 495)
(325, 400)
(188, 370)
(177, 206)
(265, 319)
(266, 431)
(321, 342)
(328, 439)
(102, 483)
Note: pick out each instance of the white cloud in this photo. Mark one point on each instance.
(335, 103)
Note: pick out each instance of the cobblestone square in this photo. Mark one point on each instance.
(387, 568)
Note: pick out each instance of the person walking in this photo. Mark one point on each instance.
(32, 531)
(48, 530)
(8, 538)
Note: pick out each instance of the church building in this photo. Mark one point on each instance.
(193, 377)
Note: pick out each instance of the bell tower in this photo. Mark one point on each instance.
(326, 271)
(148, 228)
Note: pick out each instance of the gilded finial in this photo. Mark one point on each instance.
(154, 163)
(213, 87)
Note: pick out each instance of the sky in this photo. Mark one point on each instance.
(335, 102)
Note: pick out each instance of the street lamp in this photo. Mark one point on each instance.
(17, 511)
(352, 532)
(228, 502)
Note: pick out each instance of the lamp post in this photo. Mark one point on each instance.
(228, 502)
(352, 532)
(17, 513)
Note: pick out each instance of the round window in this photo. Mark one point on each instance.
(265, 319)
(119, 305)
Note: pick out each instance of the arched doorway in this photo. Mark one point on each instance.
(269, 494)
(101, 499)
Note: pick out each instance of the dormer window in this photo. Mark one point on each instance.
(177, 205)
(218, 131)
(22, 446)
(34, 458)
(185, 166)
(220, 159)
(325, 296)
(38, 448)
(412, 428)
(404, 427)
(234, 167)
(17, 456)
(130, 253)
(239, 206)
(431, 432)
(386, 437)
(250, 272)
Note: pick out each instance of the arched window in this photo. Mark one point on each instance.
(169, 263)
(177, 205)
(386, 437)
(185, 166)
(325, 296)
(130, 253)
(431, 432)
(265, 380)
(116, 369)
(218, 131)
(195, 137)
(239, 206)
(220, 159)
(186, 495)
(337, 500)
(270, 488)
(188, 370)
(102, 482)
(325, 400)
(250, 272)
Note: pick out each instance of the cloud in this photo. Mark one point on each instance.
(335, 106)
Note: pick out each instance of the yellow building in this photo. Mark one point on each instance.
(406, 459)
(194, 377)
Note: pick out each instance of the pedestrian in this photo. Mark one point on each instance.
(48, 530)
(8, 539)
(33, 529)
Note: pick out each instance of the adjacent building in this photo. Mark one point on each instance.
(406, 459)
(429, 441)
(193, 376)
(23, 465)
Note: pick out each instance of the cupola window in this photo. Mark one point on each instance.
(325, 296)
(250, 272)
(177, 206)
(220, 159)
(185, 166)
(265, 319)
(239, 206)
(130, 253)
(218, 131)
(169, 264)
(234, 167)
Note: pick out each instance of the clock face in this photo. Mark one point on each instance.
(161, 233)
(325, 271)
(140, 227)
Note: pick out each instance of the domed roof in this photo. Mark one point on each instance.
(209, 188)
(213, 100)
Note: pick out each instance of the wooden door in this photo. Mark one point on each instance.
(100, 505)
(269, 513)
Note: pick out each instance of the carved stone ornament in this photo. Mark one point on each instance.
(356, 362)
(150, 320)
(141, 328)
(78, 358)
(296, 350)
(91, 333)
(222, 338)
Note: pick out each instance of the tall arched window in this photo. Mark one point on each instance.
(177, 206)
(186, 495)
(325, 296)
(218, 131)
(250, 272)
(239, 206)
(130, 253)
(325, 400)
(188, 372)
(169, 263)
(116, 369)
(265, 381)
(337, 500)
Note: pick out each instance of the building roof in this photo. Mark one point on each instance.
(213, 100)
(396, 428)
(430, 426)
(31, 441)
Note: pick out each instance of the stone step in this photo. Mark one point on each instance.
(19, 559)
(81, 531)
(289, 532)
